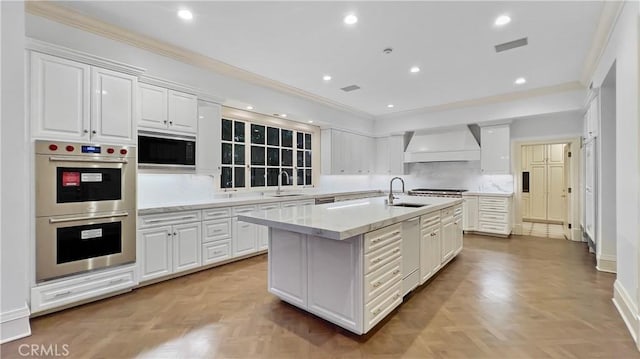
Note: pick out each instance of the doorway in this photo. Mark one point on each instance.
(544, 190)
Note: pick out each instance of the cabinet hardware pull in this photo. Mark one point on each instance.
(175, 234)
(93, 132)
(168, 219)
(171, 122)
(396, 271)
(396, 250)
(377, 284)
(217, 230)
(71, 159)
(376, 260)
(377, 311)
(85, 218)
(396, 296)
(165, 122)
(168, 234)
(116, 281)
(58, 295)
(86, 131)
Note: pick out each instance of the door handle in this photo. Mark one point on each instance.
(85, 218)
(91, 160)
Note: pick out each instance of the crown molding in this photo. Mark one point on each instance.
(158, 81)
(506, 97)
(611, 11)
(66, 16)
(83, 57)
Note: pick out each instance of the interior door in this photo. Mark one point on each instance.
(569, 196)
(556, 201)
(538, 192)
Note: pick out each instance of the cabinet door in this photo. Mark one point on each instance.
(113, 106)
(183, 112)
(382, 160)
(556, 199)
(495, 155)
(186, 246)
(341, 153)
(245, 239)
(458, 234)
(60, 101)
(396, 154)
(436, 250)
(426, 254)
(208, 151)
(155, 258)
(153, 106)
(538, 154)
(470, 210)
(448, 240)
(526, 205)
(538, 192)
(555, 153)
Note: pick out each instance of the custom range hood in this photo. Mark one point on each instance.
(461, 143)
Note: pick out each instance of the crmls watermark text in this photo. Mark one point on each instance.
(44, 350)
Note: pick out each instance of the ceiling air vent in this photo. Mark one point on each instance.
(512, 44)
(350, 88)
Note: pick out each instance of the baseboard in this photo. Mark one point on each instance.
(627, 309)
(576, 235)
(606, 263)
(14, 324)
(517, 229)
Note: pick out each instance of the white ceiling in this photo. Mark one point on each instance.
(296, 43)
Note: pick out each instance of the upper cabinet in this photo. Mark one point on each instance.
(71, 100)
(495, 151)
(346, 153)
(208, 152)
(167, 110)
(389, 154)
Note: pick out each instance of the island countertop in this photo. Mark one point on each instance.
(344, 220)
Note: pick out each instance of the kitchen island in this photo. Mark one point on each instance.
(351, 263)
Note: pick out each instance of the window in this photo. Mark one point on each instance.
(267, 152)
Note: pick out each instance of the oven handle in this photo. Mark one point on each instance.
(76, 159)
(73, 219)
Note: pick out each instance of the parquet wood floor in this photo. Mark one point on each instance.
(521, 297)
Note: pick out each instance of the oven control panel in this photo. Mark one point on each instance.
(44, 147)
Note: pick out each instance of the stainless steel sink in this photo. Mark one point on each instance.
(411, 205)
(287, 195)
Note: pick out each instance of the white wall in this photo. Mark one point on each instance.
(553, 103)
(548, 126)
(622, 48)
(213, 83)
(14, 184)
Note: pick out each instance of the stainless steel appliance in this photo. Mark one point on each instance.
(85, 207)
(163, 150)
(439, 192)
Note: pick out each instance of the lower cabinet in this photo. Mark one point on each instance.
(169, 249)
(245, 238)
(470, 209)
(448, 238)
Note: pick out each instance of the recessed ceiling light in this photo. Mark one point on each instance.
(249, 107)
(201, 117)
(310, 121)
(520, 81)
(283, 115)
(414, 69)
(390, 105)
(185, 14)
(502, 20)
(326, 77)
(350, 19)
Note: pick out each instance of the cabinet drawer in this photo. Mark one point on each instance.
(447, 212)
(269, 206)
(216, 213)
(457, 211)
(382, 237)
(243, 209)
(498, 204)
(382, 279)
(65, 292)
(216, 230)
(380, 307)
(169, 218)
(494, 217)
(430, 220)
(379, 258)
(491, 227)
(216, 252)
(299, 203)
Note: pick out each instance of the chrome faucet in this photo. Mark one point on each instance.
(391, 198)
(280, 181)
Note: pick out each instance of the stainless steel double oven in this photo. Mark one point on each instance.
(85, 207)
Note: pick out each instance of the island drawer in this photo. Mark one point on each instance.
(243, 209)
(447, 212)
(380, 307)
(379, 258)
(499, 217)
(215, 230)
(430, 220)
(269, 206)
(163, 219)
(382, 237)
(215, 213)
(457, 211)
(377, 282)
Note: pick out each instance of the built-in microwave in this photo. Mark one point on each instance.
(165, 150)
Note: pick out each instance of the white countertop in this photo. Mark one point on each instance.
(346, 219)
(495, 194)
(239, 199)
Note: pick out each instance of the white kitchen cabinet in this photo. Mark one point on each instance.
(208, 156)
(113, 108)
(495, 153)
(169, 243)
(186, 246)
(156, 248)
(167, 110)
(245, 239)
(74, 101)
(430, 245)
(390, 155)
(448, 240)
(470, 210)
(263, 231)
(346, 153)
